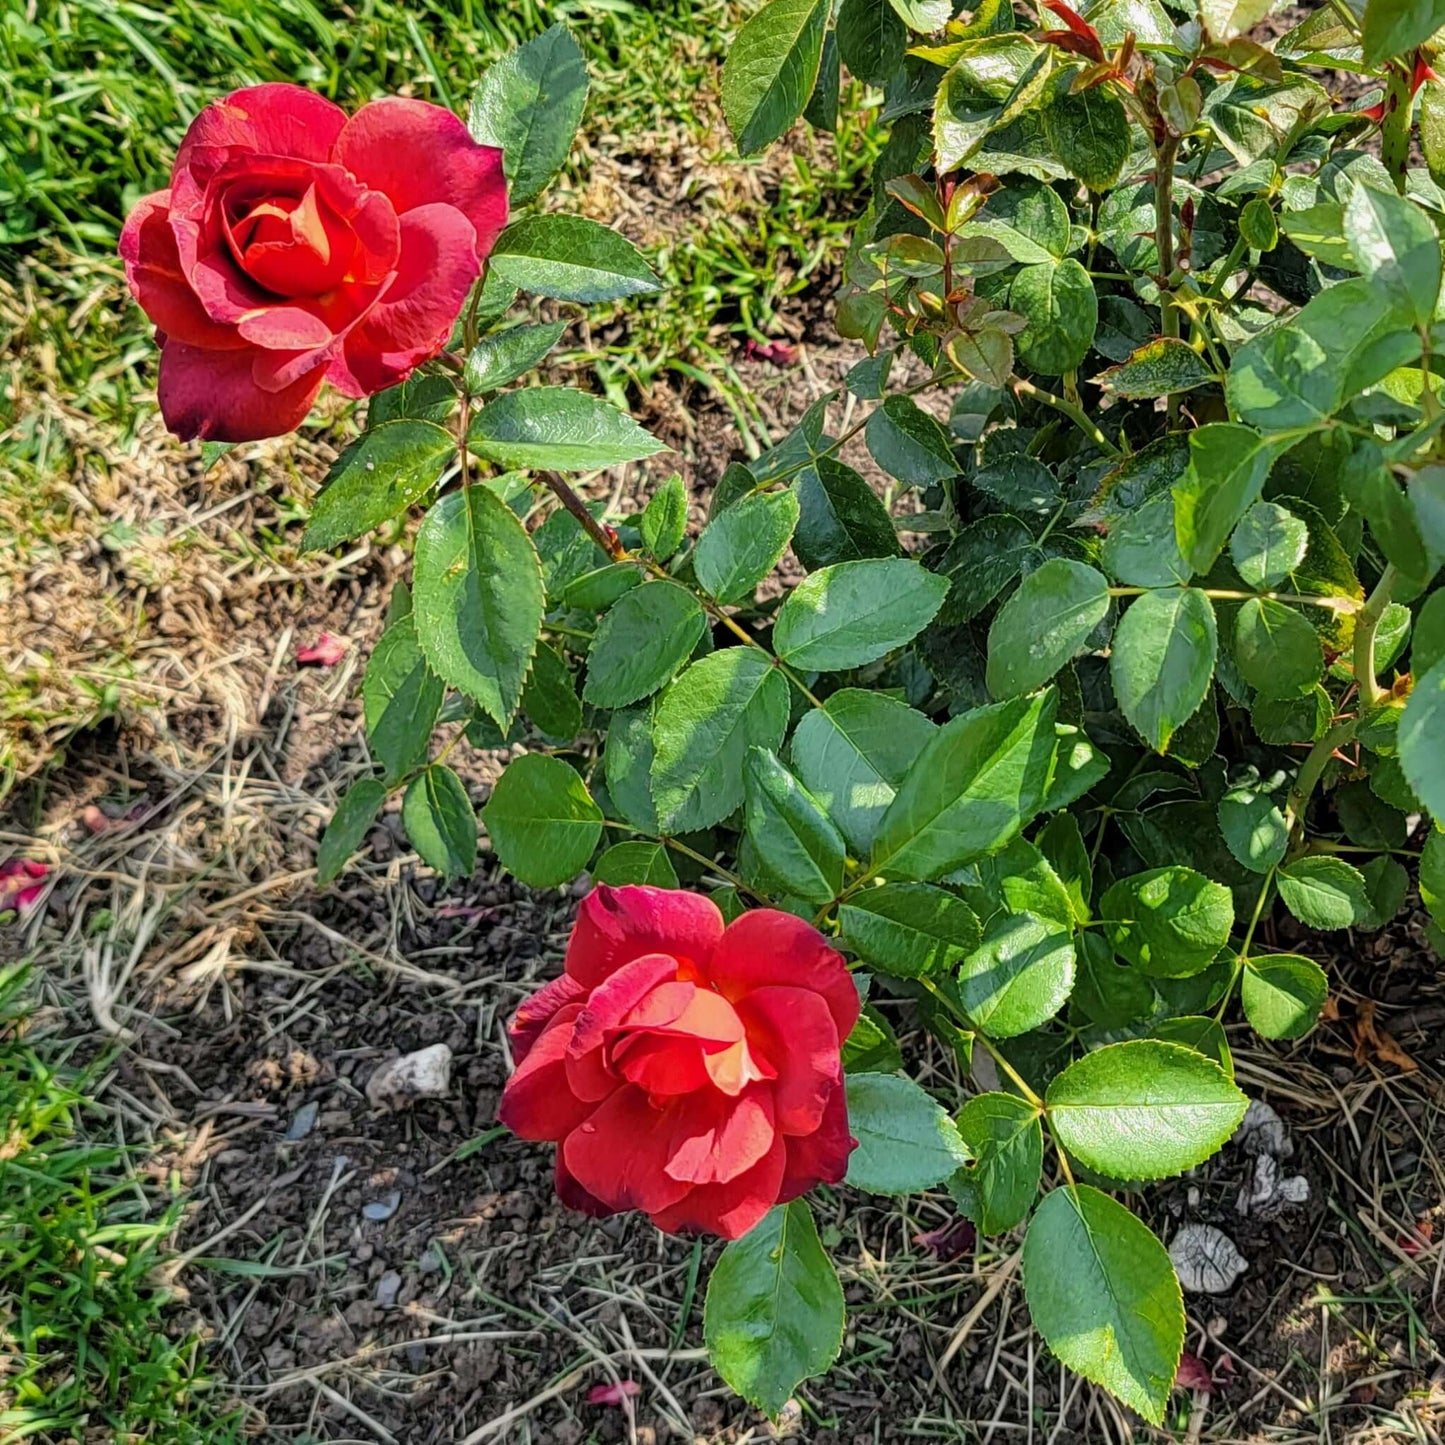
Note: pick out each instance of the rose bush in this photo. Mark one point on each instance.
(684, 1068)
(295, 246)
(1144, 679)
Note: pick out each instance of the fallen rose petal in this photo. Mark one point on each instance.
(613, 1394)
(780, 353)
(1418, 1238)
(22, 881)
(1193, 1374)
(326, 651)
(949, 1241)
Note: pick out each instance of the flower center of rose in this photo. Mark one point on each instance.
(291, 245)
(682, 1037)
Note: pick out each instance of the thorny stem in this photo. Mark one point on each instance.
(1395, 128)
(604, 536)
(1075, 414)
(1367, 624)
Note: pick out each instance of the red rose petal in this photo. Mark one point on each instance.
(326, 651)
(613, 1394)
(535, 1013)
(153, 273)
(618, 1154)
(822, 1156)
(730, 1209)
(420, 154)
(272, 119)
(414, 315)
(767, 947)
(213, 395)
(616, 925)
(715, 1138)
(793, 1029)
(536, 1102)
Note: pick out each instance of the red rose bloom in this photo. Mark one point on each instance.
(295, 246)
(686, 1069)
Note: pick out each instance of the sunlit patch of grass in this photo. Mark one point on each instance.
(84, 1326)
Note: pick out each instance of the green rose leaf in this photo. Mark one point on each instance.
(646, 635)
(1278, 652)
(924, 16)
(1432, 876)
(1224, 19)
(1393, 27)
(909, 930)
(664, 520)
(1258, 226)
(975, 785)
(557, 428)
(1045, 624)
(572, 259)
(794, 838)
(980, 562)
(1301, 373)
(1396, 247)
(1102, 1291)
(1168, 921)
(997, 1190)
(1107, 992)
(909, 444)
(1021, 880)
(771, 70)
(439, 821)
(1142, 548)
(1162, 367)
(349, 825)
(774, 1312)
(853, 752)
(840, 517)
(719, 707)
(906, 1142)
(1019, 976)
(401, 697)
(994, 79)
(1254, 829)
(1228, 465)
(423, 396)
(741, 545)
(1324, 892)
(1088, 133)
(1028, 219)
(627, 762)
(505, 355)
(855, 612)
(1422, 740)
(1059, 303)
(529, 103)
(1144, 1109)
(871, 39)
(542, 821)
(1283, 994)
(383, 472)
(1268, 545)
(478, 598)
(1162, 661)
(635, 862)
(550, 696)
